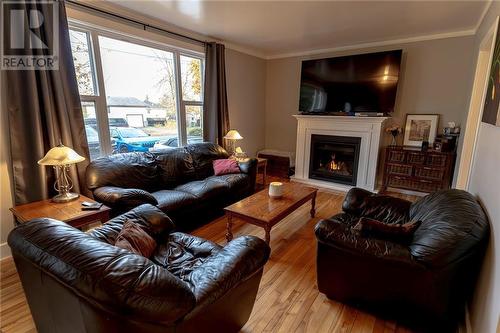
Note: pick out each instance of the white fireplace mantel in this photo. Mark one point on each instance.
(369, 129)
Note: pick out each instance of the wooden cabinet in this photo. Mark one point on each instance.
(412, 169)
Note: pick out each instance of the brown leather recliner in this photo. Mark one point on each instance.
(79, 282)
(180, 181)
(425, 280)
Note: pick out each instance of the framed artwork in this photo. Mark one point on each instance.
(420, 127)
(491, 115)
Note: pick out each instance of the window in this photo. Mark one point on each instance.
(136, 96)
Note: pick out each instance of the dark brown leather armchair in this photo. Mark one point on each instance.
(180, 181)
(427, 279)
(79, 282)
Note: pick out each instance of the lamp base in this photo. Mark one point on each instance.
(65, 197)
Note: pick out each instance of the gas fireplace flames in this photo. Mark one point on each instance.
(334, 165)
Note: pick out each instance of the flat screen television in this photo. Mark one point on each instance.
(365, 83)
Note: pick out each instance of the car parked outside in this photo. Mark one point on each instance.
(93, 142)
(174, 143)
(112, 122)
(130, 139)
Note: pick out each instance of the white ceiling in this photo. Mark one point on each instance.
(273, 28)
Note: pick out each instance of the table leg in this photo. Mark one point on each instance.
(313, 205)
(268, 235)
(264, 174)
(229, 226)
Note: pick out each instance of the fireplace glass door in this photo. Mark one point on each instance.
(334, 158)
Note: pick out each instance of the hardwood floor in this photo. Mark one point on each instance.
(288, 299)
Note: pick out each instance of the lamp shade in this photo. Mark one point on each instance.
(233, 135)
(61, 155)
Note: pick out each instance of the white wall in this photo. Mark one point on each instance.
(485, 183)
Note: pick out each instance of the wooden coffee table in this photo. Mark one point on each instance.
(263, 211)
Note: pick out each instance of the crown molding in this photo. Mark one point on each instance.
(483, 14)
(416, 39)
(250, 51)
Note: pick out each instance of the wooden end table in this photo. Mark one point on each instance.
(261, 210)
(262, 165)
(69, 212)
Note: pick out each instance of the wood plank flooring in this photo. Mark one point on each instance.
(288, 299)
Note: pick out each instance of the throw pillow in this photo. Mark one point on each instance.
(395, 232)
(134, 238)
(225, 166)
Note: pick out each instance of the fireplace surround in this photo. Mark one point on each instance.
(367, 130)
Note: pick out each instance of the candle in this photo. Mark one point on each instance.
(275, 189)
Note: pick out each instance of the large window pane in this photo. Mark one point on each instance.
(89, 117)
(191, 78)
(141, 94)
(194, 123)
(82, 59)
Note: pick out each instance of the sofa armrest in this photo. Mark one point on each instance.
(249, 167)
(237, 261)
(344, 239)
(383, 208)
(123, 197)
(354, 199)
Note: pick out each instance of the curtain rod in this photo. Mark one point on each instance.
(101, 11)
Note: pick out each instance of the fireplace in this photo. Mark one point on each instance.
(334, 158)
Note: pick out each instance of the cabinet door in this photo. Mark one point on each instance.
(399, 169)
(396, 156)
(416, 158)
(436, 160)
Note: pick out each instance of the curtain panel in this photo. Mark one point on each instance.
(44, 110)
(215, 108)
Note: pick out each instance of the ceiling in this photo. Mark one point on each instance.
(274, 28)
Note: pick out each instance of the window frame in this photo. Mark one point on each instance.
(99, 99)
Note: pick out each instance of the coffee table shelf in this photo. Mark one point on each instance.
(261, 210)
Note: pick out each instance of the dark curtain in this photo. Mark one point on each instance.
(215, 110)
(44, 110)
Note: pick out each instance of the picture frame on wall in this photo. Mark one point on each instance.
(419, 128)
(491, 108)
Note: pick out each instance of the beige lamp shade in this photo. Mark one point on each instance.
(233, 135)
(61, 155)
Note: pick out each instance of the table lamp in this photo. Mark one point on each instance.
(232, 136)
(61, 157)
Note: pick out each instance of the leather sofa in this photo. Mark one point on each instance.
(179, 181)
(425, 280)
(79, 282)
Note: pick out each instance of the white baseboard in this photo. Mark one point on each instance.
(4, 251)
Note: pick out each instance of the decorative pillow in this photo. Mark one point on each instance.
(225, 166)
(395, 232)
(134, 238)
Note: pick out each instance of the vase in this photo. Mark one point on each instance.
(394, 142)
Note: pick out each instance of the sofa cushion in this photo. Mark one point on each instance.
(182, 253)
(225, 166)
(401, 233)
(130, 170)
(234, 182)
(203, 189)
(175, 167)
(134, 238)
(170, 201)
(147, 215)
(203, 155)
